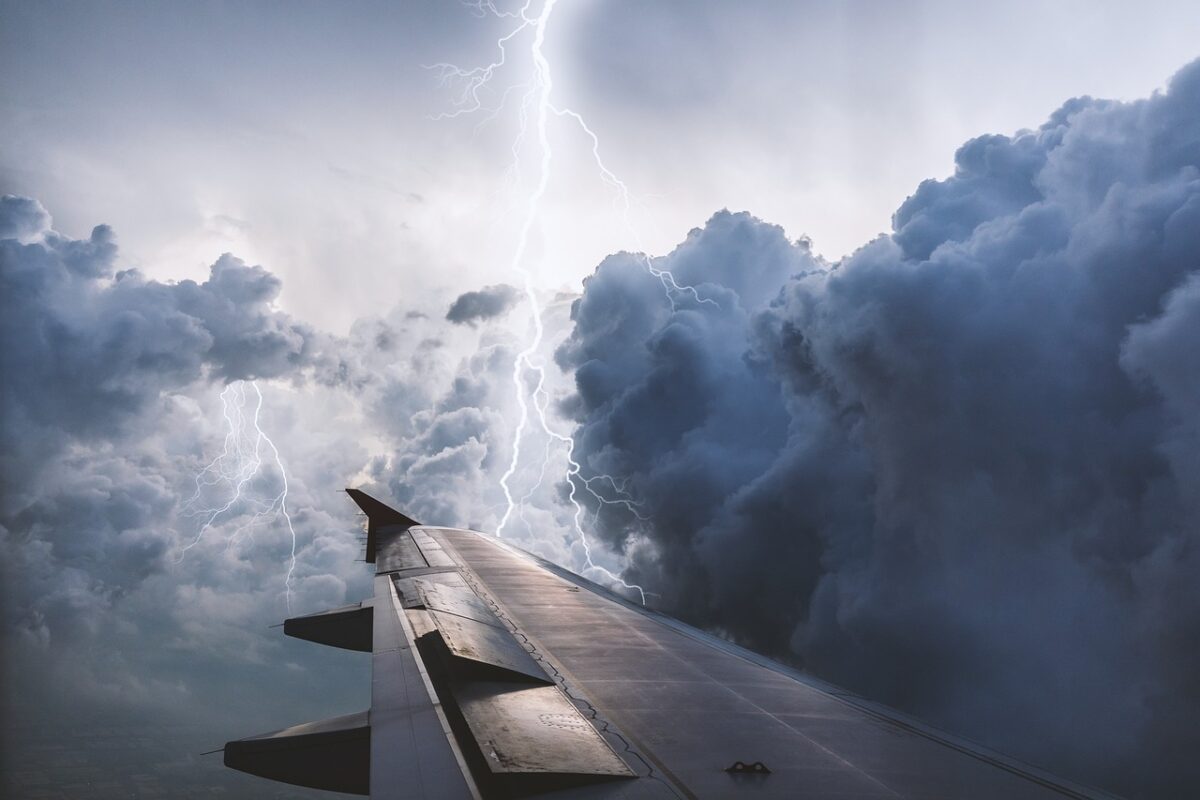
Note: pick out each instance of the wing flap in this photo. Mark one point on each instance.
(459, 600)
(535, 730)
(485, 649)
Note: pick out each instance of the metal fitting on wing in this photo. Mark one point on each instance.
(742, 768)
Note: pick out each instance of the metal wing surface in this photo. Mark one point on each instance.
(499, 675)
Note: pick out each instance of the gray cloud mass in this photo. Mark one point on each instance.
(102, 436)
(955, 471)
(486, 303)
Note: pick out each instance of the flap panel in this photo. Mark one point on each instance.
(487, 645)
(410, 593)
(459, 600)
(535, 730)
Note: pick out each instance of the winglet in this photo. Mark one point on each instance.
(378, 514)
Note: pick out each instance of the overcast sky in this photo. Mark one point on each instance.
(301, 135)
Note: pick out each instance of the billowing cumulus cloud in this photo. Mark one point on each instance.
(109, 411)
(955, 471)
(484, 304)
(89, 356)
(87, 347)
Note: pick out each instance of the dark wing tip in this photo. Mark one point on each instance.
(379, 513)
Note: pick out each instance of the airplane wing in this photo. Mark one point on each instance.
(496, 674)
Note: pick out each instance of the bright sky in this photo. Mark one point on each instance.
(303, 136)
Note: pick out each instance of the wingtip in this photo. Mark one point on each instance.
(377, 512)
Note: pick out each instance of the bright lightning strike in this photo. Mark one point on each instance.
(535, 110)
(235, 478)
(669, 284)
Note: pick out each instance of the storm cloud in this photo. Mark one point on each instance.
(88, 347)
(486, 303)
(955, 471)
(107, 401)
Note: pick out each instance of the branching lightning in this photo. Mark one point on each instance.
(534, 114)
(234, 477)
(670, 285)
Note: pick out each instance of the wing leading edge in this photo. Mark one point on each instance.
(498, 674)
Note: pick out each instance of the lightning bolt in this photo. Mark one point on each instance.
(670, 286)
(231, 476)
(534, 112)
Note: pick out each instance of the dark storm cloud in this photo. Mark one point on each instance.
(101, 439)
(956, 471)
(86, 348)
(486, 303)
(666, 393)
